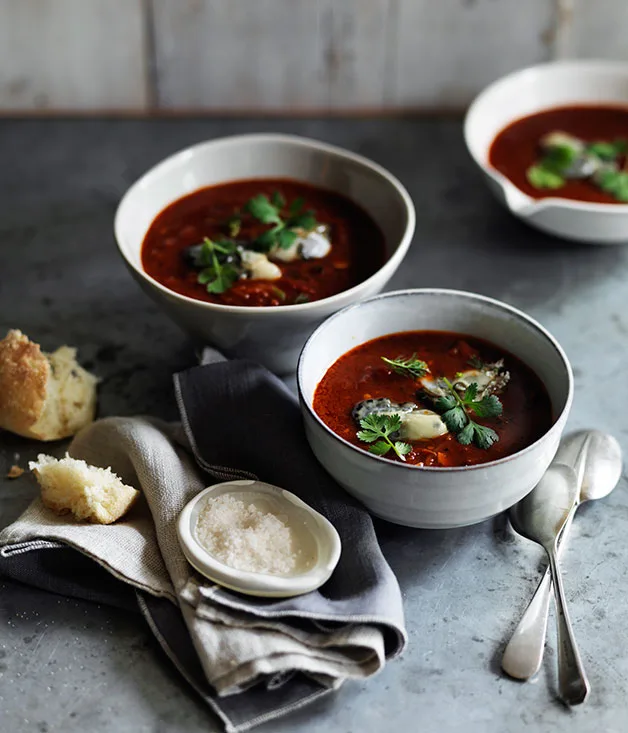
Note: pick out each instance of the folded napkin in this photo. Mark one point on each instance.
(251, 659)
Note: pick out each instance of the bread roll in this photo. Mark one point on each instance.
(43, 396)
(91, 494)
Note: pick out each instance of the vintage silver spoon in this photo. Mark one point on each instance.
(541, 516)
(596, 459)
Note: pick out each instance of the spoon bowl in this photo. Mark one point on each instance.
(600, 463)
(541, 515)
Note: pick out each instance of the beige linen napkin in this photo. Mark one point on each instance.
(275, 655)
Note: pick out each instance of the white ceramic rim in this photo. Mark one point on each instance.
(390, 265)
(520, 315)
(515, 77)
(248, 582)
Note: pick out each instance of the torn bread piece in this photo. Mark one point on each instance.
(43, 396)
(91, 494)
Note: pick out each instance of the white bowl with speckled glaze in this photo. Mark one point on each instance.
(429, 497)
(531, 90)
(271, 335)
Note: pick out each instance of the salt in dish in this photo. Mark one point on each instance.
(258, 539)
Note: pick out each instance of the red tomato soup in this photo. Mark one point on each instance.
(517, 147)
(361, 377)
(350, 249)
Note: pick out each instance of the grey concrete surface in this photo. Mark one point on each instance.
(75, 667)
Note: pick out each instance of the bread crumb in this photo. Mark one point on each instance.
(91, 494)
(15, 472)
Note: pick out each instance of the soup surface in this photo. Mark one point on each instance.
(271, 242)
(595, 172)
(509, 404)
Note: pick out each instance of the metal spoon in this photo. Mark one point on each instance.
(541, 516)
(596, 459)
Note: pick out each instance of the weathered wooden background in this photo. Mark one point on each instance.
(288, 56)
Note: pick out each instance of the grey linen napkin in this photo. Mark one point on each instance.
(251, 659)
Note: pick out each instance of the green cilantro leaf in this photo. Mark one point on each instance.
(286, 238)
(305, 221)
(278, 200)
(455, 419)
(483, 436)
(541, 177)
(411, 367)
(296, 206)
(218, 274)
(234, 223)
(454, 410)
(269, 211)
(262, 209)
(559, 158)
(489, 406)
(604, 151)
(614, 182)
(377, 429)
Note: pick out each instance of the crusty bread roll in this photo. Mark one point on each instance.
(43, 396)
(91, 494)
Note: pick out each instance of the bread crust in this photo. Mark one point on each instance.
(24, 374)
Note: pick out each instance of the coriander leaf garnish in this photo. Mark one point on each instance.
(411, 367)
(614, 182)
(377, 429)
(219, 273)
(278, 200)
(262, 209)
(567, 158)
(541, 177)
(269, 211)
(234, 223)
(454, 410)
(301, 298)
(296, 206)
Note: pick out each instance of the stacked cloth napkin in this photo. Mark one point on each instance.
(251, 659)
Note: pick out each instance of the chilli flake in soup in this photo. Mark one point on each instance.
(572, 152)
(262, 242)
(434, 398)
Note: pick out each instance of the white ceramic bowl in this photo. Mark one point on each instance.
(434, 497)
(321, 533)
(274, 335)
(532, 90)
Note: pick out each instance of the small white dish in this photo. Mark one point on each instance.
(424, 496)
(321, 532)
(531, 90)
(271, 335)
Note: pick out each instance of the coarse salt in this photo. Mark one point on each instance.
(250, 532)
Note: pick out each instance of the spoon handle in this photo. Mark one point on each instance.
(524, 653)
(573, 686)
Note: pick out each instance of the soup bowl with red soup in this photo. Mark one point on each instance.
(552, 143)
(249, 242)
(435, 408)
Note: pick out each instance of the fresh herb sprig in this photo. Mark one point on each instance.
(614, 182)
(600, 159)
(454, 410)
(218, 273)
(282, 234)
(411, 367)
(377, 430)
